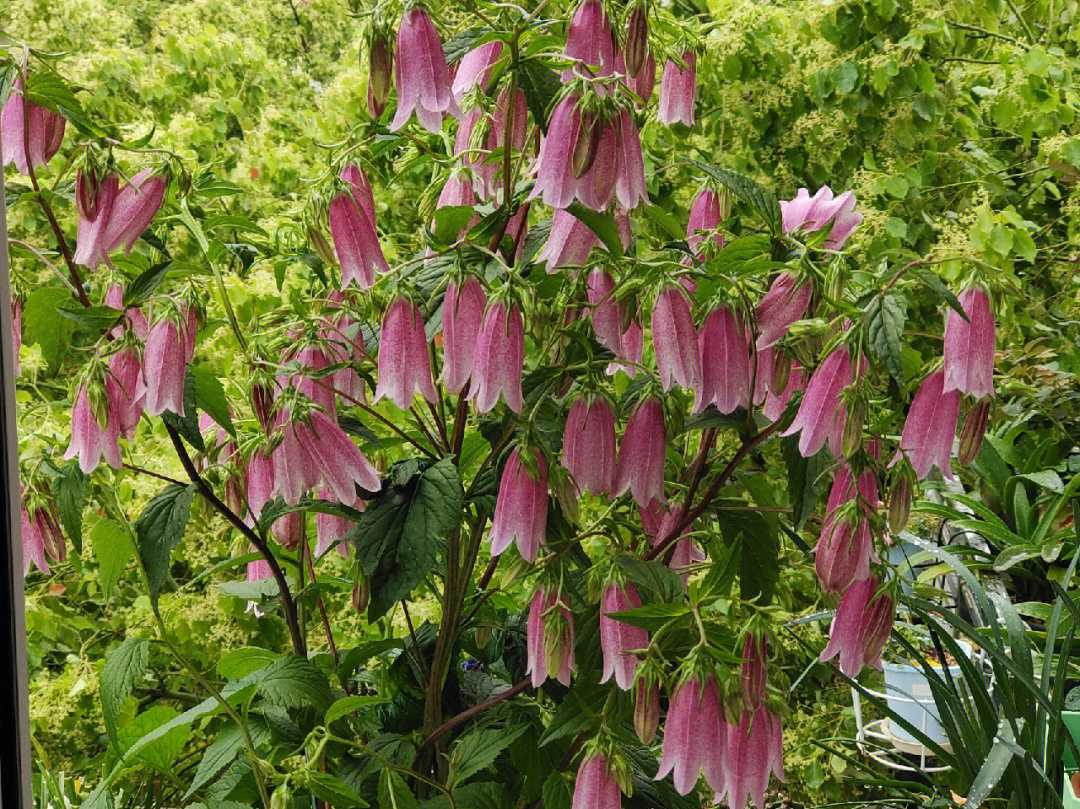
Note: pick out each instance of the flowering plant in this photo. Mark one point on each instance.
(583, 430)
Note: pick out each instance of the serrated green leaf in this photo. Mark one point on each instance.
(758, 197)
(219, 755)
(146, 284)
(557, 793)
(160, 528)
(69, 490)
(112, 551)
(294, 682)
(885, 331)
(124, 666)
(210, 396)
(239, 663)
(394, 793)
(478, 750)
(42, 324)
(540, 84)
(331, 789)
(348, 705)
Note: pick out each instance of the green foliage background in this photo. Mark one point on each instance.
(955, 124)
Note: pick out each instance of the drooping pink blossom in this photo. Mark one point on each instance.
(344, 341)
(294, 468)
(519, 131)
(404, 362)
(641, 85)
(725, 363)
(846, 544)
(596, 187)
(630, 166)
(90, 441)
(969, 345)
(753, 752)
(607, 313)
(821, 413)
(675, 340)
(337, 461)
(555, 180)
(861, 627)
(595, 787)
(550, 638)
(288, 529)
(41, 136)
(420, 73)
(260, 486)
(163, 369)
(590, 40)
(463, 312)
(973, 432)
(631, 347)
(588, 451)
(704, 221)
(458, 191)
(475, 68)
(659, 523)
(694, 735)
(617, 638)
(312, 359)
(782, 305)
(500, 358)
(930, 428)
(636, 41)
(134, 319)
(33, 543)
(569, 243)
(352, 227)
(521, 508)
(125, 390)
(678, 88)
(819, 211)
(776, 403)
(116, 216)
(642, 454)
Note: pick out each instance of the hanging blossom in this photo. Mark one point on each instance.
(782, 305)
(344, 341)
(475, 69)
(41, 534)
(95, 429)
(590, 41)
(642, 84)
(969, 346)
(725, 363)
(330, 528)
(571, 240)
(111, 216)
(678, 88)
(352, 227)
(595, 786)
(694, 735)
(462, 314)
(404, 362)
(930, 428)
(860, 628)
(822, 413)
(659, 523)
(420, 74)
(822, 210)
(550, 638)
(41, 136)
(617, 638)
(521, 507)
(675, 340)
(588, 450)
(643, 453)
(753, 751)
(500, 358)
(846, 544)
(706, 214)
(164, 367)
(781, 389)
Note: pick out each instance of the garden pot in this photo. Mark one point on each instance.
(908, 693)
(1070, 790)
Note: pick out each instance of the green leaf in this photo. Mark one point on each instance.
(937, 287)
(477, 795)
(210, 397)
(651, 616)
(46, 89)
(759, 569)
(540, 84)
(112, 550)
(145, 284)
(239, 663)
(217, 757)
(803, 476)
(478, 750)
(450, 220)
(162, 752)
(160, 528)
(90, 318)
(603, 225)
(394, 793)
(557, 793)
(885, 330)
(294, 682)
(333, 790)
(69, 489)
(42, 324)
(994, 767)
(124, 666)
(348, 705)
(188, 424)
(758, 197)
(578, 711)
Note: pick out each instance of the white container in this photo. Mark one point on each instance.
(908, 693)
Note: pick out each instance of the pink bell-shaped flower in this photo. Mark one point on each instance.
(595, 787)
(861, 627)
(642, 454)
(569, 243)
(607, 314)
(618, 639)
(694, 735)
(678, 87)
(33, 541)
(404, 362)
(675, 340)
(344, 342)
(782, 305)
(588, 451)
(930, 428)
(337, 460)
(969, 346)
(659, 523)
(704, 221)
(330, 528)
(125, 390)
(596, 187)
(819, 211)
(725, 364)
(521, 508)
(630, 180)
(41, 136)
(294, 468)
(475, 69)
(590, 41)
(519, 131)
(753, 752)
(641, 85)
(420, 73)
(555, 180)
(500, 358)
(754, 673)
(352, 227)
(631, 347)
(821, 414)
(549, 638)
(288, 529)
(119, 216)
(89, 439)
(776, 403)
(163, 369)
(310, 381)
(259, 484)
(846, 544)
(463, 312)
(94, 202)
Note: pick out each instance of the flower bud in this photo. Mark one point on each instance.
(637, 40)
(851, 438)
(482, 635)
(99, 403)
(973, 431)
(380, 70)
(361, 594)
(87, 186)
(900, 503)
(588, 140)
(320, 245)
(262, 402)
(781, 371)
(646, 708)
(282, 798)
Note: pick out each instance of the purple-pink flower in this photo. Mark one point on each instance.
(588, 451)
(404, 362)
(675, 340)
(776, 403)
(90, 440)
(41, 136)
(595, 787)
(330, 528)
(521, 507)
(862, 624)
(969, 345)
(642, 454)
(705, 218)
(125, 390)
(618, 639)
(806, 212)
(420, 73)
(352, 226)
(111, 216)
(500, 358)
(928, 435)
(822, 412)
(782, 305)
(725, 363)
(590, 40)
(846, 544)
(678, 87)
(163, 368)
(475, 68)
(549, 638)
(753, 751)
(694, 735)
(463, 312)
